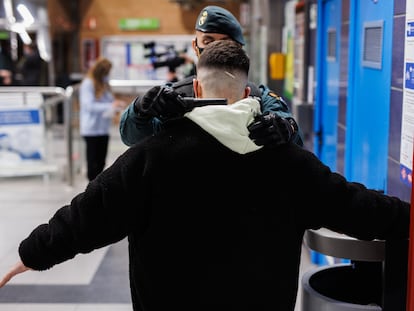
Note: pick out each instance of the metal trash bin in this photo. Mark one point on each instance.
(342, 287)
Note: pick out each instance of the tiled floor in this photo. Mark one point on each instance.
(94, 282)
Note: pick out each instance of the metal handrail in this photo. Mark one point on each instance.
(133, 86)
(135, 83)
(70, 93)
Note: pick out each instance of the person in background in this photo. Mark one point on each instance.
(31, 67)
(203, 234)
(97, 108)
(275, 126)
(6, 67)
(6, 77)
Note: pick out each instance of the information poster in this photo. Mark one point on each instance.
(288, 48)
(407, 131)
(148, 57)
(299, 55)
(407, 126)
(22, 130)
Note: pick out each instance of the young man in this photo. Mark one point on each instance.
(213, 23)
(204, 234)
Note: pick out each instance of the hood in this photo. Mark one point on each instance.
(228, 123)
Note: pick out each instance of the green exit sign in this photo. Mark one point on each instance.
(139, 23)
(4, 35)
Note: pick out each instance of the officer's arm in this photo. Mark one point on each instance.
(136, 124)
(134, 127)
(270, 131)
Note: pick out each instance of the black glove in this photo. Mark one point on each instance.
(161, 102)
(272, 130)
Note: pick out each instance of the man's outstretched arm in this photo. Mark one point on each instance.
(18, 268)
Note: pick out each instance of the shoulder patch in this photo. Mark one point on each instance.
(274, 95)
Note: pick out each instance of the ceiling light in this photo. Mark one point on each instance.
(25, 13)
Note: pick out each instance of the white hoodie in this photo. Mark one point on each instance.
(228, 123)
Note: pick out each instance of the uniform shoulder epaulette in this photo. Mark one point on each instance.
(273, 94)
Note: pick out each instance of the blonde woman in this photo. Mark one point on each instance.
(97, 107)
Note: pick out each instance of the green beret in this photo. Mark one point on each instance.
(215, 19)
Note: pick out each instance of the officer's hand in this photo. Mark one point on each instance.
(161, 102)
(272, 130)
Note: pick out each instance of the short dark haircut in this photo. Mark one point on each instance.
(225, 55)
(223, 69)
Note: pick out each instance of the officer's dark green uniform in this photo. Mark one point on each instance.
(212, 19)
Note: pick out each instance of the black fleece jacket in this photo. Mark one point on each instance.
(207, 229)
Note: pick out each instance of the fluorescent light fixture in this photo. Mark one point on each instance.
(21, 30)
(43, 38)
(8, 10)
(44, 49)
(25, 13)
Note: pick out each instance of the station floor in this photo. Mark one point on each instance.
(93, 282)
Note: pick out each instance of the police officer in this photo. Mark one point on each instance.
(146, 113)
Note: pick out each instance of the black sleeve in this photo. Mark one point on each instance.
(103, 214)
(346, 207)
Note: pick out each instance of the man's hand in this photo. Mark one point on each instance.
(16, 269)
(272, 130)
(161, 102)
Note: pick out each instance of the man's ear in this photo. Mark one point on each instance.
(247, 91)
(194, 46)
(198, 92)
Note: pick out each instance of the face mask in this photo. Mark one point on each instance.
(199, 50)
